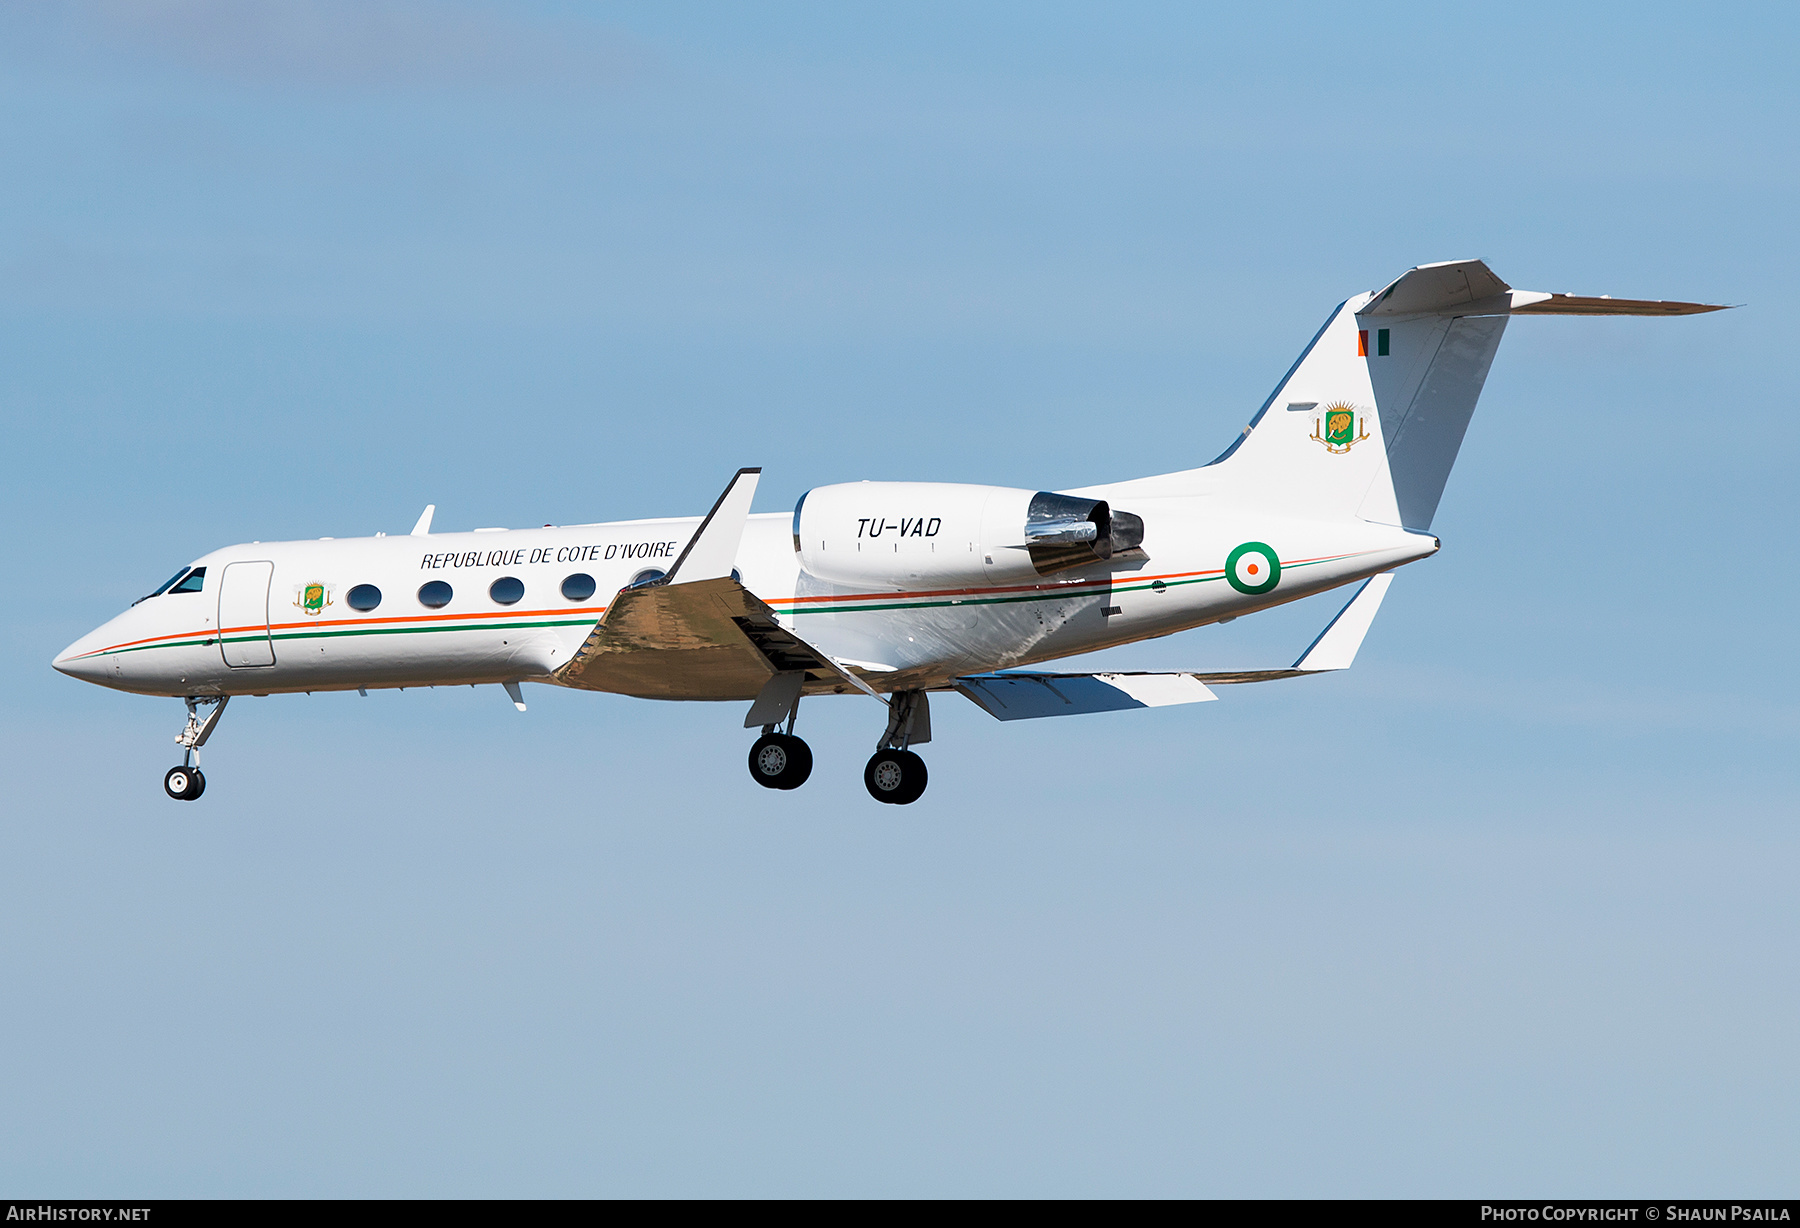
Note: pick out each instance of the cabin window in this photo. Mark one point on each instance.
(646, 576)
(578, 587)
(364, 597)
(195, 581)
(435, 595)
(507, 590)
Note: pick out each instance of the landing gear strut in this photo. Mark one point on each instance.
(895, 774)
(186, 783)
(779, 760)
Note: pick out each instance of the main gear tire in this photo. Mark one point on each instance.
(780, 761)
(897, 777)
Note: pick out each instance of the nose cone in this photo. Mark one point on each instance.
(82, 659)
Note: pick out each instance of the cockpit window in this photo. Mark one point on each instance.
(195, 581)
(164, 586)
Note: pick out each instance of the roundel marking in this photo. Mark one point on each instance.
(1253, 569)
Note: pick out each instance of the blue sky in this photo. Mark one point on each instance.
(1507, 909)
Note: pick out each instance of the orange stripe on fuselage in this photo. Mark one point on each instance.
(1109, 582)
(980, 592)
(349, 622)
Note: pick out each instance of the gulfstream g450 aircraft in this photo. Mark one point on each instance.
(889, 590)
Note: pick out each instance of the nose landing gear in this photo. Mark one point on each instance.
(186, 783)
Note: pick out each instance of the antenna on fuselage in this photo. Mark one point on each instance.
(423, 528)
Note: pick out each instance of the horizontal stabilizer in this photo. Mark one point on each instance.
(1025, 696)
(1526, 303)
(1448, 286)
(1470, 288)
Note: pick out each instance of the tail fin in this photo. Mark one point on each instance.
(1368, 422)
(1427, 367)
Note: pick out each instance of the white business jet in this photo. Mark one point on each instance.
(889, 590)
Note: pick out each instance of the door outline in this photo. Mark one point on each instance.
(238, 584)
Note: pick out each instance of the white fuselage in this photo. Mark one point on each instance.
(897, 635)
(895, 589)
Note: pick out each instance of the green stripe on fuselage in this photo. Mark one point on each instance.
(335, 633)
(1099, 589)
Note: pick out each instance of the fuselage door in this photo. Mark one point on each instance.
(244, 614)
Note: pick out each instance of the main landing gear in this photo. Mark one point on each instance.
(895, 774)
(186, 783)
(779, 760)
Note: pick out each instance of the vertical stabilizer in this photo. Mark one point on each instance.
(1435, 331)
(1368, 421)
(1317, 447)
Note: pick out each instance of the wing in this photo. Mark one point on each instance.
(706, 639)
(699, 634)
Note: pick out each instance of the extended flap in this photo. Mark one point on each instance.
(1026, 696)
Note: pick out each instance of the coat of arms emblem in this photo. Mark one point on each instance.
(313, 598)
(1339, 427)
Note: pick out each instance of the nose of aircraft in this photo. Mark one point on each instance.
(77, 660)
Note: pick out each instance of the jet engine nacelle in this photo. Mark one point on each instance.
(944, 535)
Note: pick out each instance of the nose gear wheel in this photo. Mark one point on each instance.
(184, 784)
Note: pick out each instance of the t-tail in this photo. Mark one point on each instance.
(1368, 421)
